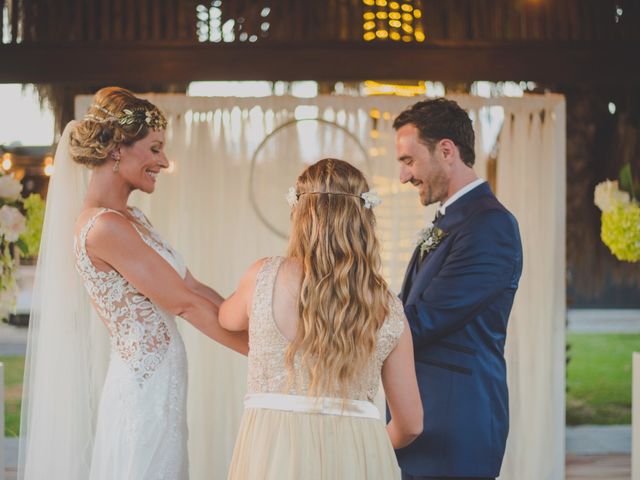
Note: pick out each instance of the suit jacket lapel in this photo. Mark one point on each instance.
(406, 284)
(455, 215)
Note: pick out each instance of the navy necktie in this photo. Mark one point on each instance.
(438, 216)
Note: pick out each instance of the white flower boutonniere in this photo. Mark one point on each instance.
(429, 238)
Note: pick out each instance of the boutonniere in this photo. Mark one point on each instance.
(429, 238)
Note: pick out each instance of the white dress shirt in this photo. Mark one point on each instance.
(464, 190)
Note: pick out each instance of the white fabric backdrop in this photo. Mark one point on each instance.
(204, 208)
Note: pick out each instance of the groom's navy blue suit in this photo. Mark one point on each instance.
(457, 300)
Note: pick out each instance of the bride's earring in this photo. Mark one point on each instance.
(116, 166)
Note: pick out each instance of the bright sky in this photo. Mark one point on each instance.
(21, 118)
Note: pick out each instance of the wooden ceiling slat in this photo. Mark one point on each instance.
(447, 61)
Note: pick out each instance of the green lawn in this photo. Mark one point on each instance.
(13, 369)
(599, 378)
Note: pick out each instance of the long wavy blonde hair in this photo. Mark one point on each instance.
(343, 297)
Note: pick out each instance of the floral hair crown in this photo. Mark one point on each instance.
(371, 198)
(137, 116)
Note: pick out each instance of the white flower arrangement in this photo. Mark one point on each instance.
(607, 195)
(10, 188)
(12, 223)
(19, 234)
(620, 219)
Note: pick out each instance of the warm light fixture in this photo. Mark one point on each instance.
(48, 165)
(7, 163)
(378, 88)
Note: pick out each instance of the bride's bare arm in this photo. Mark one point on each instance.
(203, 290)
(235, 311)
(114, 241)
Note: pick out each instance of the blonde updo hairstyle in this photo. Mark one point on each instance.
(94, 138)
(343, 297)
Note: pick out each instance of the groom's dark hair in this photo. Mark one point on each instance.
(441, 118)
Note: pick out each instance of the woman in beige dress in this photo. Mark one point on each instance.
(323, 330)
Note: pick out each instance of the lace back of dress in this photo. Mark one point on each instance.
(137, 327)
(267, 372)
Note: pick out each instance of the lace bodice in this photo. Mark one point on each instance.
(267, 345)
(140, 331)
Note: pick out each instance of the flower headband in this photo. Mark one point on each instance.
(371, 198)
(141, 116)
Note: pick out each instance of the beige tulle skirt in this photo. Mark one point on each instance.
(281, 445)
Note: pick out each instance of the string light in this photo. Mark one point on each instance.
(393, 20)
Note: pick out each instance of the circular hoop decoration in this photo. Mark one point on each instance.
(285, 152)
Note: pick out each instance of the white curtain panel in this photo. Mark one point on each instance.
(223, 206)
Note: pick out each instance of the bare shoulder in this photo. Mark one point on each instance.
(110, 231)
(86, 215)
(292, 265)
(250, 275)
(290, 275)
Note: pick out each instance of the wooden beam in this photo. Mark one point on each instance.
(444, 61)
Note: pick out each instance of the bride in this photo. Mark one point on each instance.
(137, 283)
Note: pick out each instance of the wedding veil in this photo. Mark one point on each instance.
(67, 349)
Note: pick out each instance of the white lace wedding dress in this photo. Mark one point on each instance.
(141, 430)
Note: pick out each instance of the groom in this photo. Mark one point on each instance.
(457, 294)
